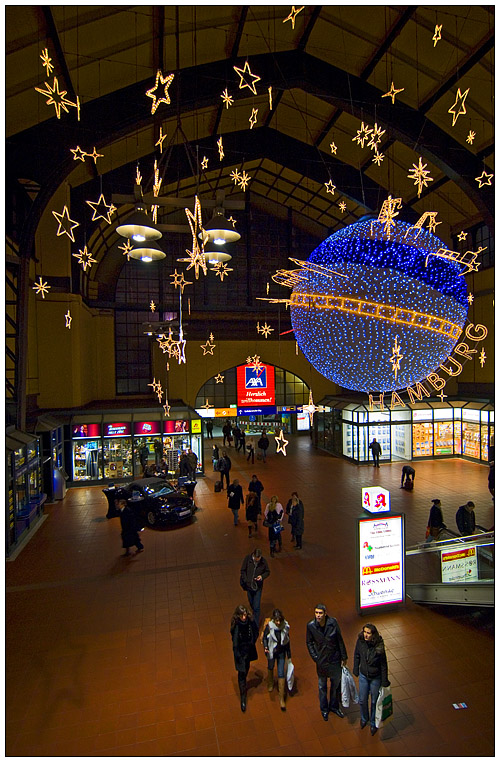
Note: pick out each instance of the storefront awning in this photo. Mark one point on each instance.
(14, 439)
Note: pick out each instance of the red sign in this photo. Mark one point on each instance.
(117, 429)
(148, 428)
(255, 387)
(176, 427)
(86, 430)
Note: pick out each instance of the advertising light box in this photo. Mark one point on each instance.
(459, 565)
(255, 388)
(148, 428)
(263, 410)
(176, 427)
(117, 429)
(380, 555)
(375, 499)
(86, 430)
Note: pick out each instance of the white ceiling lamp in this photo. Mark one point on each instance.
(147, 252)
(138, 227)
(215, 253)
(220, 230)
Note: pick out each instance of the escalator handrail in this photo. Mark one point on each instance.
(484, 538)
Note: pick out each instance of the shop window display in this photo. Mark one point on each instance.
(117, 457)
(471, 443)
(422, 440)
(443, 438)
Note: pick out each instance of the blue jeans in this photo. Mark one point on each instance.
(235, 514)
(324, 704)
(280, 660)
(254, 597)
(372, 688)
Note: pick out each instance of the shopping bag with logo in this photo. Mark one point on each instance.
(383, 708)
(348, 688)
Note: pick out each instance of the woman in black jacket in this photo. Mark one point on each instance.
(370, 664)
(244, 633)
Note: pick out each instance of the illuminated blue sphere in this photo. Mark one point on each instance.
(361, 296)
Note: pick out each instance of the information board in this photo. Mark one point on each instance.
(381, 548)
(459, 565)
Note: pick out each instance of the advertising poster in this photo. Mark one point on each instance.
(86, 430)
(146, 429)
(459, 565)
(176, 427)
(117, 429)
(381, 561)
(255, 387)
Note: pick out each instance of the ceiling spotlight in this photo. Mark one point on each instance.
(138, 227)
(147, 252)
(220, 230)
(215, 253)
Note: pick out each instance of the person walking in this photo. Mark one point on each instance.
(275, 508)
(224, 466)
(252, 510)
(236, 434)
(130, 535)
(210, 428)
(256, 486)
(376, 452)
(251, 450)
(215, 457)
(143, 456)
(242, 442)
(193, 463)
(435, 525)
(184, 465)
(235, 499)
(226, 434)
(263, 444)
(297, 520)
(466, 519)
(370, 666)
(244, 633)
(276, 642)
(327, 649)
(407, 477)
(254, 570)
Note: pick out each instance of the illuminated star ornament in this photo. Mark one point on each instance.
(470, 137)
(68, 320)
(207, 405)
(126, 249)
(362, 134)
(179, 280)
(41, 287)
(253, 118)
(66, 224)
(227, 99)
(232, 221)
(437, 34)
(245, 179)
(160, 140)
(484, 179)
(209, 346)
(151, 93)
(157, 389)
(85, 258)
(78, 154)
(255, 363)
(57, 98)
(166, 409)
(470, 298)
(204, 162)
(265, 329)
(196, 256)
(376, 136)
(330, 187)
(442, 395)
(458, 107)
(94, 155)
(221, 148)
(219, 378)
(281, 443)
(419, 175)
(396, 357)
(310, 408)
(392, 93)
(333, 147)
(47, 61)
(378, 158)
(252, 78)
(235, 176)
(293, 15)
(152, 306)
(342, 206)
(101, 210)
(462, 236)
(482, 357)
(221, 270)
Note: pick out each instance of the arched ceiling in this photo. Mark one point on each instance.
(328, 72)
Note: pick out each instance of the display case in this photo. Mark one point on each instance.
(25, 497)
(471, 439)
(117, 450)
(86, 450)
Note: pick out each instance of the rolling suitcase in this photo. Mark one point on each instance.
(217, 486)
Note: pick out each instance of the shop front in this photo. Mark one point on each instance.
(86, 451)
(25, 496)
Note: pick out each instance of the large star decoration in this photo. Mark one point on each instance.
(78, 154)
(157, 389)
(151, 93)
(244, 180)
(47, 61)
(437, 33)
(68, 319)
(392, 93)
(255, 363)
(342, 206)
(152, 306)
(66, 224)
(126, 249)
(227, 99)
(235, 176)
(362, 134)
(57, 98)
(101, 210)
(253, 78)
(204, 162)
(180, 281)
(219, 378)
(376, 136)
(470, 137)
(265, 329)
(458, 107)
(333, 147)
(310, 408)
(470, 298)
(207, 405)
(221, 270)
(41, 287)
(85, 258)
(281, 443)
(293, 15)
(330, 187)
(94, 155)
(209, 346)
(462, 235)
(253, 118)
(484, 179)
(396, 357)
(196, 259)
(232, 221)
(419, 175)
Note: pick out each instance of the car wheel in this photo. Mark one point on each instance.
(151, 517)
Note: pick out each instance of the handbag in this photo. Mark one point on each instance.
(427, 532)
(290, 674)
(383, 708)
(348, 688)
(277, 528)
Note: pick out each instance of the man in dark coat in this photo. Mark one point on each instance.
(226, 434)
(184, 466)
(466, 519)
(256, 486)
(209, 427)
(326, 647)
(224, 466)
(158, 451)
(130, 535)
(235, 499)
(143, 456)
(263, 444)
(376, 451)
(254, 570)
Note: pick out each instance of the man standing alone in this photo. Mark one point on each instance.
(326, 647)
(254, 570)
(376, 452)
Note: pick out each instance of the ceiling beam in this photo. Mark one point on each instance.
(232, 60)
(61, 60)
(395, 30)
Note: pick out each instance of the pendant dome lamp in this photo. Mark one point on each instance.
(220, 230)
(215, 253)
(148, 251)
(138, 227)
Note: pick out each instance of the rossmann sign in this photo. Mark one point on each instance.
(255, 388)
(380, 556)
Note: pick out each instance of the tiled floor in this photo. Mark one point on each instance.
(110, 656)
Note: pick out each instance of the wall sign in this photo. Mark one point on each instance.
(459, 565)
(255, 388)
(196, 426)
(176, 427)
(86, 430)
(265, 410)
(375, 499)
(148, 428)
(380, 555)
(117, 429)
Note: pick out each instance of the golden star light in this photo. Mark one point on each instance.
(219, 378)
(209, 346)
(41, 287)
(293, 15)
(419, 175)
(57, 98)
(253, 117)
(362, 134)
(376, 136)
(78, 154)
(152, 306)
(204, 162)
(333, 147)
(270, 93)
(235, 176)
(330, 187)
(470, 298)
(66, 224)
(437, 33)
(265, 329)
(458, 107)
(281, 443)
(221, 148)
(207, 405)
(126, 249)
(85, 258)
(94, 155)
(441, 395)
(179, 280)
(470, 137)
(101, 210)
(247, 82)
(244, 180)
(227, 99)
(396, 357)
(68, 320)
(378, 158)
(342, 206)
(392, 93)
(151, 93)
(484, 179)
(482, 357)
(255, 363)
(232, 221)
(166, 410)
(221, 270)
(310, 408)
(196, 259)
(462, 236)
(160, 140)
(47, 61)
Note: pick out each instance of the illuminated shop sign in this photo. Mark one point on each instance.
(381, 575)
(117, 429)
(459, 565)
(255, 387)
(86, 430)
(148, 428)
(375, 499)
(196, 426)
(176, 427)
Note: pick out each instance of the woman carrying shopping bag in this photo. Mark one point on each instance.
(276, 642)
(370, 664)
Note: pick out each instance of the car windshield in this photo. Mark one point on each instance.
(158, 489)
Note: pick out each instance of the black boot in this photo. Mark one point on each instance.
(243, 697)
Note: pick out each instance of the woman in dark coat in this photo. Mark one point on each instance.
(370, 665)
(435, 523)
(244, 633)
(273, 522)
(130, 535)
(297, 520)
(235, 499)
(252, 510)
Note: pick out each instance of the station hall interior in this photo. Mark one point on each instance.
(279, 218)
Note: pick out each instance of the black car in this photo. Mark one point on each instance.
(156, 502)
